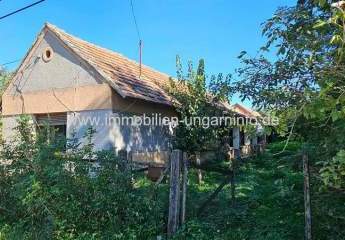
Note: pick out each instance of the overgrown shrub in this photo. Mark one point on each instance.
(277, 147)
(333, 172)
(46, 193)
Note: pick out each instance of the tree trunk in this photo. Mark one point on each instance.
(307, 207)
(233, 164)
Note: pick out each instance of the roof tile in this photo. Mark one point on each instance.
(123, 72)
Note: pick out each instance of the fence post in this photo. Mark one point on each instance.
(184, 187)
(123, 157)
(232, 186)
(307, 207)
(198, 163)
(236, 142)
(174, 195)
(130, 160)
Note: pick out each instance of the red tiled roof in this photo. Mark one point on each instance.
(122, 73)
(118, 71)
(240, 109)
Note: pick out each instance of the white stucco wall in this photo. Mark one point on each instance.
(41, 75)
(236, 137)
(79, 122)
(8, 128)
(112, 135)
(108, 134)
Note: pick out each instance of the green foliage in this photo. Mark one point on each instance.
(269, 202)
(304, 84)
(195, 98)
(300, 53)
(279, 146)
(48, 194)
(333, 172)
(4, 79)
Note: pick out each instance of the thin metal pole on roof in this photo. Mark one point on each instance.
(140, 56)
(135, 20)
(139, 36)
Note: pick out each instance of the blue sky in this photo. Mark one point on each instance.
(216, 30)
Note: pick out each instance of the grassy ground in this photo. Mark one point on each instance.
(269, 203)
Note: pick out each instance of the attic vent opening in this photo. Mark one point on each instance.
(47, 54)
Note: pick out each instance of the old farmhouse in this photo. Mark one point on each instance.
(63, 80)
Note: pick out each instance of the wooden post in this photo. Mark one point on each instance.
(174, 196)
(130, 160)
(123, 157)
(236, 141)
(184, 187)
(232, 167)
(237, 155)
(198, 163)
(255, 144)
(233, 186)
(307, 207)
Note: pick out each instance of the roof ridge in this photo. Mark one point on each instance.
(59, 30)
(249, 110)
(119, 71)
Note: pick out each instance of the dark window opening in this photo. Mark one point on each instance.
(231, 138)
(60, 130)
(48, 54)
(242, 138)
(53, 127)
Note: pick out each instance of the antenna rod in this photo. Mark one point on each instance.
(140, 56)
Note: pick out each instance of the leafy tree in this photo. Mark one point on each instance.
(304, 83)
(200, 99)
(4, 78)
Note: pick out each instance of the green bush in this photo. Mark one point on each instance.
(279, 146)
(333, 172)
(48, 194)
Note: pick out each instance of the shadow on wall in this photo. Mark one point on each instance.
(114, 135)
